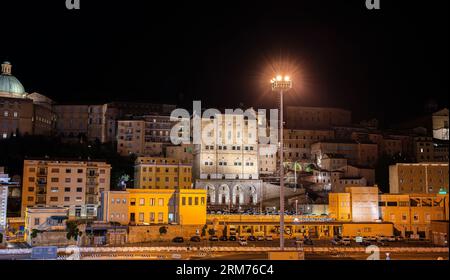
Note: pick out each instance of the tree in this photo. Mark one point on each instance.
(204, 230)
(1, 237)
(72, 230)
(224, 231)
(211, 231)
(34, 233)
(162, 230)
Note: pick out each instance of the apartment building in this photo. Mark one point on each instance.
(297, 142)
(423, 177)
(76, 185)
(162, 173)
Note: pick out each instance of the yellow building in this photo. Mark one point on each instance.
(412, 213)
(76, 185)
(151, 206)
(162, 173)
(339, 206)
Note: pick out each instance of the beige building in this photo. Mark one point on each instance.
(232, 152)
(316, 117)
(297, 142)
(183, 152)
(76, 185)
(267, 159)
(424, 177)
(356, 153)
(44, 219)
(21, 112)
(162, 173)
(440, 124)
(144, 136)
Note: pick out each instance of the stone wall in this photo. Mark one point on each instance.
(52, 238)
(137, 234)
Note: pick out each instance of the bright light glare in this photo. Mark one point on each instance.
(287, 78)
(279, 78)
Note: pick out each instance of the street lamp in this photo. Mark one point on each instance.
(281, 84)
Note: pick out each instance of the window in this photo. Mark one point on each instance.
(183, 201)
(53, 198)
(30, 199)
(161, 202)
(190, 200)
(160, 217)
(36, 221)
(152, 217)
(202, 201)
(67, 180)
(196, 201)
(79, 170)
(31, 189)
(68, 170)
(66, 198)
(79, 189)
(55, 170)
(152, 201)
(133, 201)
(79, 180)
(55, 180)
(142, 201)
(141, 217)
(54, 189)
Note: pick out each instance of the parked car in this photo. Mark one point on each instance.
(370, 238)
(346, 241)
(260, 238)
(232, 238)
(214, 238)
(243, 243)
(251, 238)
(382, 238)
(242, 238)
(381, 243)
(178, 239)
(223, 238)
(365, 243)
(391, 238)
(399, 238)
(269, 238)
(335, 241)
(195, 238)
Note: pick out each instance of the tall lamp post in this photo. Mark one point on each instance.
(280, 84)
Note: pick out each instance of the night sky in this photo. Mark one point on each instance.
(385, 64)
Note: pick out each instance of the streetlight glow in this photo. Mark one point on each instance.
(287, 78)
(279, 78)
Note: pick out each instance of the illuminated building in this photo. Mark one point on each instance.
(44, 220)
(76, 185)
(144, 136)
(21, 112)
(440, 124)
(4, 180)
(424, 177)
(150, 206)
(227, 167)
(162, 173)
(412, 214)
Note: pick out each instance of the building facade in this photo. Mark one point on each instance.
(76, 185)
(152, 206)
(20, 112)
(424, 177)
(297, 142)
(144, 136)
(162, 173)
(357, 153)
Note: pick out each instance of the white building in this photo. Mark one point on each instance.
(4, 179)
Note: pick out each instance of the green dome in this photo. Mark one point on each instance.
(10, 85)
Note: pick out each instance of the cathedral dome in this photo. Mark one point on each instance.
(10, 86)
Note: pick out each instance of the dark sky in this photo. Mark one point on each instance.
(385, 64)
